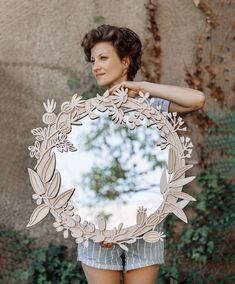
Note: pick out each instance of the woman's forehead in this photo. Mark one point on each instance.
(103, 47)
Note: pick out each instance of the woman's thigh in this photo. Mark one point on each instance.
(101, 276)
(146, 275)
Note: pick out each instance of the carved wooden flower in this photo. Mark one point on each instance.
(35, 150)
(120, 96)
(49, 116)
(76, 102)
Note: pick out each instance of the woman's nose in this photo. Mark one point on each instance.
(95, 67)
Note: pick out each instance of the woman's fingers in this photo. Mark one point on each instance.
(106, 245)
(133, 88)
(131, 92)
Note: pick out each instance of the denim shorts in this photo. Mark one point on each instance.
(140, 254)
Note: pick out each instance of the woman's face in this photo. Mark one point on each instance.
(107, 67)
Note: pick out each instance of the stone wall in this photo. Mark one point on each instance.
(39, 51)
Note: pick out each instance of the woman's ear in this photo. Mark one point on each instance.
(126, 62)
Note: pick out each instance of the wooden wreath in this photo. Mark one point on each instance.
(46, 179)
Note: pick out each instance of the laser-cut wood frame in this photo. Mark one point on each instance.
(46, 180)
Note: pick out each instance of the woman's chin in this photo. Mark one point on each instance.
(104, 83)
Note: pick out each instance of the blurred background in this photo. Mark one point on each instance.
(188, 43)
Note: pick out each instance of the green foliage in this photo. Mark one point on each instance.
(91, 91)
(73, 82)
(221, 142)
(98, 19)
(105, 185)
(169, 274)
(196, 252)
(204, 243)
(23, 262)
(85, 82)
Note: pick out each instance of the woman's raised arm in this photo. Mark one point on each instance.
(181, 99)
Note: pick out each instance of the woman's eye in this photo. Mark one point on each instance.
(101, 58)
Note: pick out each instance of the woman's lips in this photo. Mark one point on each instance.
(99, 75)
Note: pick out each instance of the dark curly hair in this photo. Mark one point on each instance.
(125, 41)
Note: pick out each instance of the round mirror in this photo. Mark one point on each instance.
(122, 191)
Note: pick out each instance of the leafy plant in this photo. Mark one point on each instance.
(24, 262)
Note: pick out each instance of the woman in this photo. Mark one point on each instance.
(115, 55)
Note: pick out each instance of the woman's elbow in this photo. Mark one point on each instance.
(201, 100)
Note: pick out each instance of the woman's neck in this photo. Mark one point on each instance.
(120, 80)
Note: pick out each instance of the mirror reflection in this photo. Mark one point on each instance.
(114, 170)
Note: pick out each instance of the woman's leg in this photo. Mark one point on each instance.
(146, 275)
(101, 276)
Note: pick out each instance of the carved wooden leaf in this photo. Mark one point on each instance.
(98, 106)
(79, 240)
(88, 109)
(70, 222)
(56, 224)
(180, 172)
(38, 214)
(153, 219)
(120, 227)
(36, 182)
(49, 168)
(171, 161)
(151, 237)
(182, 203)
(182, 195)
(90, 227)
(120, 235)
(63, 198)
(99, 238)
(181, 182)
(46, 167)
(60, 228)
(163, 182)
(123, 247)
(66, 234)
(76, 232)
(131, 241)
(75, 118)
(177, 211)
(54, 186)
(86, 244)
(102, 224)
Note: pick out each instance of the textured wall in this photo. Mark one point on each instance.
(39, 50)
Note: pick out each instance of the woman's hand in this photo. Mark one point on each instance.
(106, 245)
(133, 88)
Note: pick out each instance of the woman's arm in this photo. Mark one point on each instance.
(181, 99)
